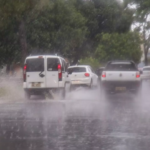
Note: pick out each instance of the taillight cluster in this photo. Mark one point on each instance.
(138, 75)
(24, 72)
(59, 72)
(87, 74)
(104, 74)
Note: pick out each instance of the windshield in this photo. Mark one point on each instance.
(35, 65)
(76, 70)
(121, 67)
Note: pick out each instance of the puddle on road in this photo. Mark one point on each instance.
(82, 121)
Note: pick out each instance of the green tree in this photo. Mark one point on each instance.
(93, 62)
(142, 23)
(104, 16)
(58, 28)
(15, 12)
(119, 46)
(70, 28)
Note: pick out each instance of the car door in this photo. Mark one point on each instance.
(35, 72)
(64, 73)
(52, 71)
(94, 76)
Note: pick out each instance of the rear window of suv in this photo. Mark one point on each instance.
(76, 69)
(116, 66)
(35, 65)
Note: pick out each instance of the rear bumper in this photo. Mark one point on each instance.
(81, 82)
(129, 85)
(39, 91)
(61, 84)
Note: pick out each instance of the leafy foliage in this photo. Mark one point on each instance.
(119, 46)
(58, 28)
(143, 24)
(72, 28)
(93, 62)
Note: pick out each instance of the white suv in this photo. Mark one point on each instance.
(43, 73)
(82, 75)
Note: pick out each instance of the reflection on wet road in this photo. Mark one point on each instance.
(83, 121)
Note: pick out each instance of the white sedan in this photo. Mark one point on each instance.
(145, 73)
(82, 75)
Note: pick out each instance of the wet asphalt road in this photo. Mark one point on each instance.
(84, 121)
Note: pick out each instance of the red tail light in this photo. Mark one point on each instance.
(24, 73)
(87, 74)
(104, 75)
(137, 75)
(59, 72)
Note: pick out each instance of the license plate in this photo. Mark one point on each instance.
(36, 84)
(120, 88)
(75, 82)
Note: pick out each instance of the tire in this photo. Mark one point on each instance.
(104, 94)
(91, 84)
(27, 95)
(97, 85)
(64, 92)
(138, 93)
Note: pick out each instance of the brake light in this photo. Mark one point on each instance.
(59, 72)
(137, 75)
(104, 74)
(87, 74)
(24, 73)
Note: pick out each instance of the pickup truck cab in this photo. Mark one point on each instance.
(121, 76)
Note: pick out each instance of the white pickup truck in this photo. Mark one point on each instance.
(121, 76)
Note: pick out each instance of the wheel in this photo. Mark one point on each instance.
(97, 84)
(67, 87)
(91, 84)
(138, 93)
(27, 95)
(62, 92)
(104, 93)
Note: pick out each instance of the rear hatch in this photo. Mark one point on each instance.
(35, 72)
(77, 74)
(124, 71)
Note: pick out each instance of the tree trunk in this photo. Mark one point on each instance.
(146, 60)
(23, 42)
(8, 69)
